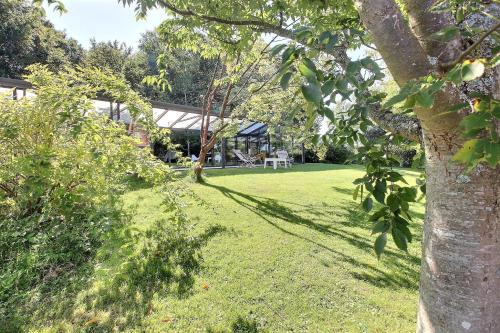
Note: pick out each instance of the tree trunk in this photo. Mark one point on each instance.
(198, 167)
(460, 274)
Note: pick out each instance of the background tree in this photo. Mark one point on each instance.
(431, 49)
(187, 73)
(119, 59)
(26, 37)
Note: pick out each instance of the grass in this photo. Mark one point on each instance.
(283, 251)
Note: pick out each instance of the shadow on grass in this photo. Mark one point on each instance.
(415, 227)
(403, 268)
(166, 265)
(138, 266)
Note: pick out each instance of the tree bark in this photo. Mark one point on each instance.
(425, 22)
(198, 167)
(460, 275)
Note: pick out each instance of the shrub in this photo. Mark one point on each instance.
(62, 169)
(338, 154)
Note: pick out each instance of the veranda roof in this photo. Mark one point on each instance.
(166, 115)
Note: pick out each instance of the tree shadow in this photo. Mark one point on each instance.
(416, 228)
(166, 265)
(135, 268)
(403, 268)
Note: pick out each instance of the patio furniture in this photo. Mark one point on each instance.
(276, 161)
(284, 154)
(194, 158)
(246, 160)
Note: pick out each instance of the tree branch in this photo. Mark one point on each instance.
(407, 60)
(464, 54)
(399, 124)
(393, 38)
(425, 23)
(278, 29)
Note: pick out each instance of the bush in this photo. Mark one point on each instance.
(62, 169)
(310, 156)
(338, 154)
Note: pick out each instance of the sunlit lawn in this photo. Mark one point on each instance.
(290, 251)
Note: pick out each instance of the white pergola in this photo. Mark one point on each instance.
(166, 115)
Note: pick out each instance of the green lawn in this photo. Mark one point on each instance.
(284, 250)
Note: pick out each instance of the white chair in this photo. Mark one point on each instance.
(283, 154)
(194, 158)
(218, 158)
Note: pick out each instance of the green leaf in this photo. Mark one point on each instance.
(380, 243)
(400, 239)
(328, 87)
(379, 190)
(356, 191)
(495, 61)
(436, 86)
(353, 68)
(377, 215)
(446, 34)
(492, 153)
(329, 114)
(404, 205)
(405, 230)
(476, 120)
(367, 204)
(277, 49)
(473, 70)
(455, 75)
(466, 153)
(369, 186)
(308, 69)
(424, 99)
(358, 181)
(496, 112)
(380, 226)
(302, 33)
(325, 36)
(285, 80)
(393, 202)
(409, 102)
(407, 90)
(312, 93)
(396, 177)
(287, 54)
(342, 86)
(315, 139)
(408, 194)
(458, 107)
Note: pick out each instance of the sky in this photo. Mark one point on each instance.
(103, 20)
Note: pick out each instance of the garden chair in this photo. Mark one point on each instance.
(284, 154)
(245, 160)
